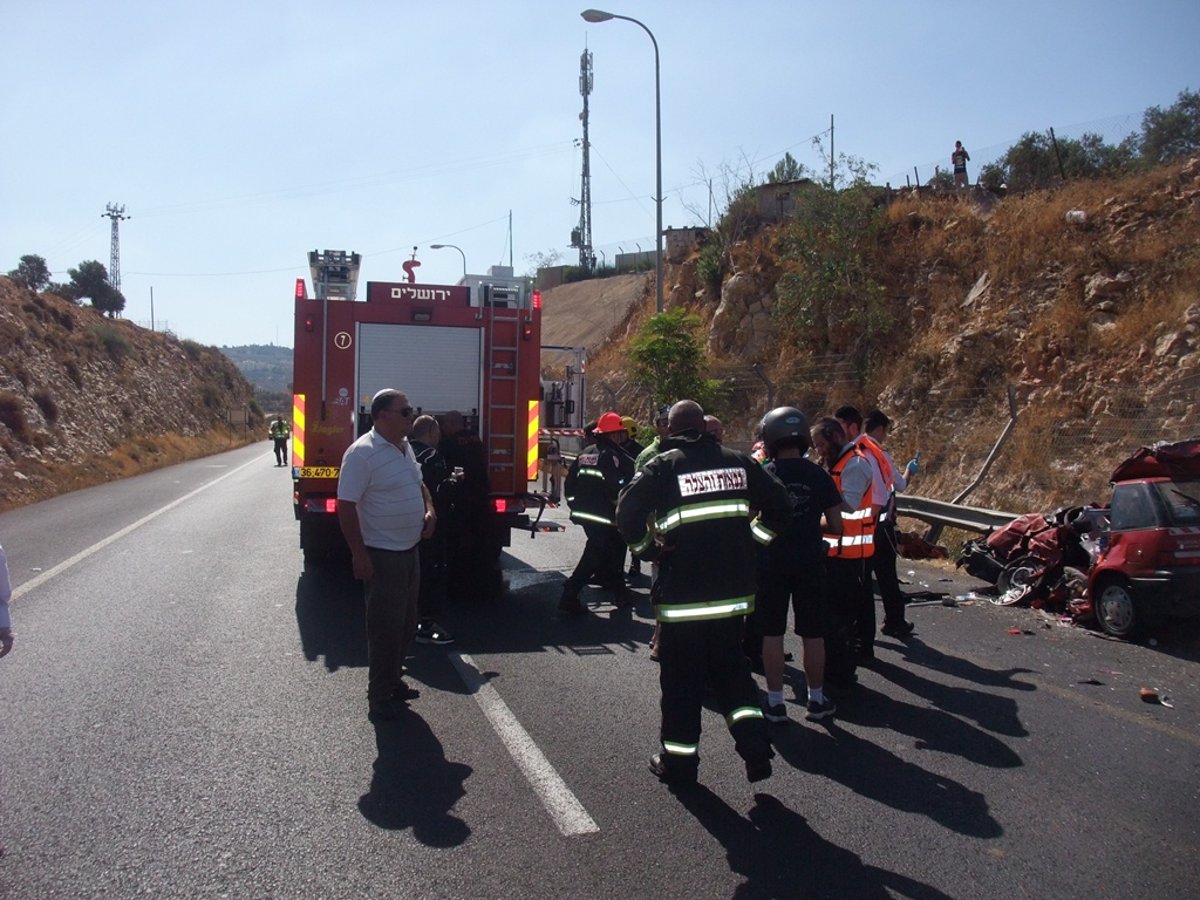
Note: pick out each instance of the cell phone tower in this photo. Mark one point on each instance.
(581, 236)
(116, 214)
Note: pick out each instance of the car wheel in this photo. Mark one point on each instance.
(1116, 611)
(1017, 580)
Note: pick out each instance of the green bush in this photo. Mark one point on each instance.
(74, 373)
(192, 349)
(46, 404)
(710, 266)
(115, 344)
(12, 414)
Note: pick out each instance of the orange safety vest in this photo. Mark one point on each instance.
(871, 447)
(857, 540)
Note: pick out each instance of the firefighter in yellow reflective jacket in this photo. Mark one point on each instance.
(593, 483)
(690, 508)
(279, 434)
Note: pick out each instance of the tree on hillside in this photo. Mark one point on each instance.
(90, 280)
(942, 180)
(1173, 132)
(848, 171)
(32, 273)
(831, 296)
(1036, 162)
(668, 359)
(787, 169)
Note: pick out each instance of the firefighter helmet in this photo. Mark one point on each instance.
(608, 423)
(783, 422)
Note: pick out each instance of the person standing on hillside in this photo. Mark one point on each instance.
(691, 508)
(6, 631)
(385, 511)
(959, 159)
(280, 432)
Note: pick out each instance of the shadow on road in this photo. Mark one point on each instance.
(991, 711)
(527, 620)
(414, 785)
(331, 616)
(874, 772)
(781, 856)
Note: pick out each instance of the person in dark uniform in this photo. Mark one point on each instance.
(472, 548)
(593, 483)
(792, 567)
(690, 509)
(432, 550)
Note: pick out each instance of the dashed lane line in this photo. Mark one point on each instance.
(566, 811)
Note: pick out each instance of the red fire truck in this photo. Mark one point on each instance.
(448, 347)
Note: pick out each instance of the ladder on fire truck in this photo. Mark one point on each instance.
(503, 387)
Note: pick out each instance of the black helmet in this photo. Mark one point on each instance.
(784, 422)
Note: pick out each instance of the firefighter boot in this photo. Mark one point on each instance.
(569, 604)
(670, 773)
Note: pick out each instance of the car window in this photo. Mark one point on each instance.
(1182, 501)
(1136, 505)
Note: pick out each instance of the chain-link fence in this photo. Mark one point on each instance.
(1056, 453)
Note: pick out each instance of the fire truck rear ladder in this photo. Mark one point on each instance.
(501, 444)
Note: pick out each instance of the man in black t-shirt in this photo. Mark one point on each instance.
(792, 567)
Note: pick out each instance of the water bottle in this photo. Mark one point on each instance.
(914, 465)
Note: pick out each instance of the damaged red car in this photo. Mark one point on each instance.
(1150, 565)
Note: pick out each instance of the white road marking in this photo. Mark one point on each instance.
(566, 811)
(79, 557)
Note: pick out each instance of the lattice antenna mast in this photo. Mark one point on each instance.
(116, 214)
(581, 237)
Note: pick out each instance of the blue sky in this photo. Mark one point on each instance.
(239, 136)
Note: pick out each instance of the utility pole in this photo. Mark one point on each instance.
(581, 236)
(116, 214)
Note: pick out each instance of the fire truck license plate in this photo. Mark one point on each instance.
(319, 472)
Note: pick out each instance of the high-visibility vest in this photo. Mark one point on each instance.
(857, 540)
(871, 447)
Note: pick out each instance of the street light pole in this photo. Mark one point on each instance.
(596, 15)
(453, 247)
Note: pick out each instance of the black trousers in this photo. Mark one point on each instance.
(280, 450)
(691, 655)
(434, 574)
(599, 560)
(883, 564)
(845, 600)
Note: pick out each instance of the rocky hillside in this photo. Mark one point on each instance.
(1085, 301)
(85, 398)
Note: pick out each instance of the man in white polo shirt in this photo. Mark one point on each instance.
(385, 510)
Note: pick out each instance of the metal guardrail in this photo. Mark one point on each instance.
(940, 514)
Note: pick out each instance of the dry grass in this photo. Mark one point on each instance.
(142, 453)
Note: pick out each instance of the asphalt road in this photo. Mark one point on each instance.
(184, 715)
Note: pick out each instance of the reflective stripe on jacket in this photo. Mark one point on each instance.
(690, 508)
(594, 481)
(857, 540)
